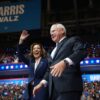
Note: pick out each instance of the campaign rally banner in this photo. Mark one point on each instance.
(91, 77)
(18, 16)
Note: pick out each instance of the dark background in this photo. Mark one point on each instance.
(81, 17)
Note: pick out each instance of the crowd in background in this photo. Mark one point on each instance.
(93, 50)
(9, 55)
(14, 91)
(91, 90)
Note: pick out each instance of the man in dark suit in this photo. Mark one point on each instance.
(64, 75)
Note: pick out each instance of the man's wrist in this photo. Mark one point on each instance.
(66, 62)
(70, 62)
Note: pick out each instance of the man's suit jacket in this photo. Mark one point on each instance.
(70, 79)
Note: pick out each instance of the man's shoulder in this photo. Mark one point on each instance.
(73, 38)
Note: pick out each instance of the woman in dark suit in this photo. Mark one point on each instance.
(38, 65)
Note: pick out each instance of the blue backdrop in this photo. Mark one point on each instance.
(17, 16)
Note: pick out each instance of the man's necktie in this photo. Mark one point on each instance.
(54, 51)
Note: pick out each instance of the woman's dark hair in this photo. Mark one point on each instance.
(43, 52)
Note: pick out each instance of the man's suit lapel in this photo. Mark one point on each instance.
(59, 47)
(50, 76)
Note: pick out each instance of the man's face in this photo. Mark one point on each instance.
(56, 33)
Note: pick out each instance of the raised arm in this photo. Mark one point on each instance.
(23, 36)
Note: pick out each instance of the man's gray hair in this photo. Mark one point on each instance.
(59, 25)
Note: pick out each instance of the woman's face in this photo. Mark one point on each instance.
(36, 51)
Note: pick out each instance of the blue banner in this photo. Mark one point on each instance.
(91, 77)
(18, 16)
(19, 81)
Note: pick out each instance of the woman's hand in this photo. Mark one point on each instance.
(23, 36)
(37, 88)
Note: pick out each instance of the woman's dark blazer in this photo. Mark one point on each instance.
(36, 75)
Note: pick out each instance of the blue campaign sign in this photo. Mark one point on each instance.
(91, 77)
(19, 81)
(18, 16)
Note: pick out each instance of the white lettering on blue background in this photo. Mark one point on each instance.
(11, 13)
